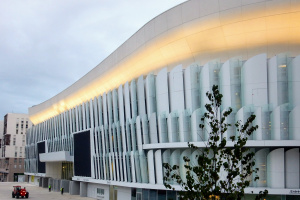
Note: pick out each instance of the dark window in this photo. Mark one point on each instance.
(133, 194)
(82, 154)
(146, 194)
(171, 195)
(153, 195)
(41, 149)
(161, 194)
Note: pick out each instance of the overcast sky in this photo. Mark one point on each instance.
(46, 45)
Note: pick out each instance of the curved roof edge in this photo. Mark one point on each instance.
(194, 31)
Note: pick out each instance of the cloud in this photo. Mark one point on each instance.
(48, 45)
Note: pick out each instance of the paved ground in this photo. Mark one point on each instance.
(35, 192)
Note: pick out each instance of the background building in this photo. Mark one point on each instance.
(1, 148)
(107, 135)
(13, 146)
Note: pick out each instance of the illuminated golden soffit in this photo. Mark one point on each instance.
(172, 38)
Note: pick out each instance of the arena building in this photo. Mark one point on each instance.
(107, 135)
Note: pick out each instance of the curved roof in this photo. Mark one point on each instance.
(194, 31)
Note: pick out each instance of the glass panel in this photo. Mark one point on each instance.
(128, 163)
(292, 197)
(231, 129)
(235, 81)
(144, 167)
(261, 163)
(171, 195)
(161, 194)
(282, 78)
(153, 194)
(137, 167)
(67, 170)
(133, 193)
(266, 123)
(284, 122)
(269, 197)
(111, 192)
(214, 69)
(146, 194)
(138, 196)
(115, 194)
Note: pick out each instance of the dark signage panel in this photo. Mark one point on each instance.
(41, 149)
(82, 154)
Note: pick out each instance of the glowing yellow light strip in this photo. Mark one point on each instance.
(197, 40)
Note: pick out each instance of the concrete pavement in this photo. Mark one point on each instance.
(35, 192)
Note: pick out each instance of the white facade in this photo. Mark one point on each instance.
(137, 147)
(148, 118)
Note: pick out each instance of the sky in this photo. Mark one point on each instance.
(47, 45)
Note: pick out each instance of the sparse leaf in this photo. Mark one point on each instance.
(202, 180)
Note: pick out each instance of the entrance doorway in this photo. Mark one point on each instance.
(113, 192)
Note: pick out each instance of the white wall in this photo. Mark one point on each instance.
(92, 190)
(254, 81)
(275, 169)
(53, 169)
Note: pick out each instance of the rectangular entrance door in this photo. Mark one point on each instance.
(113, 192)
